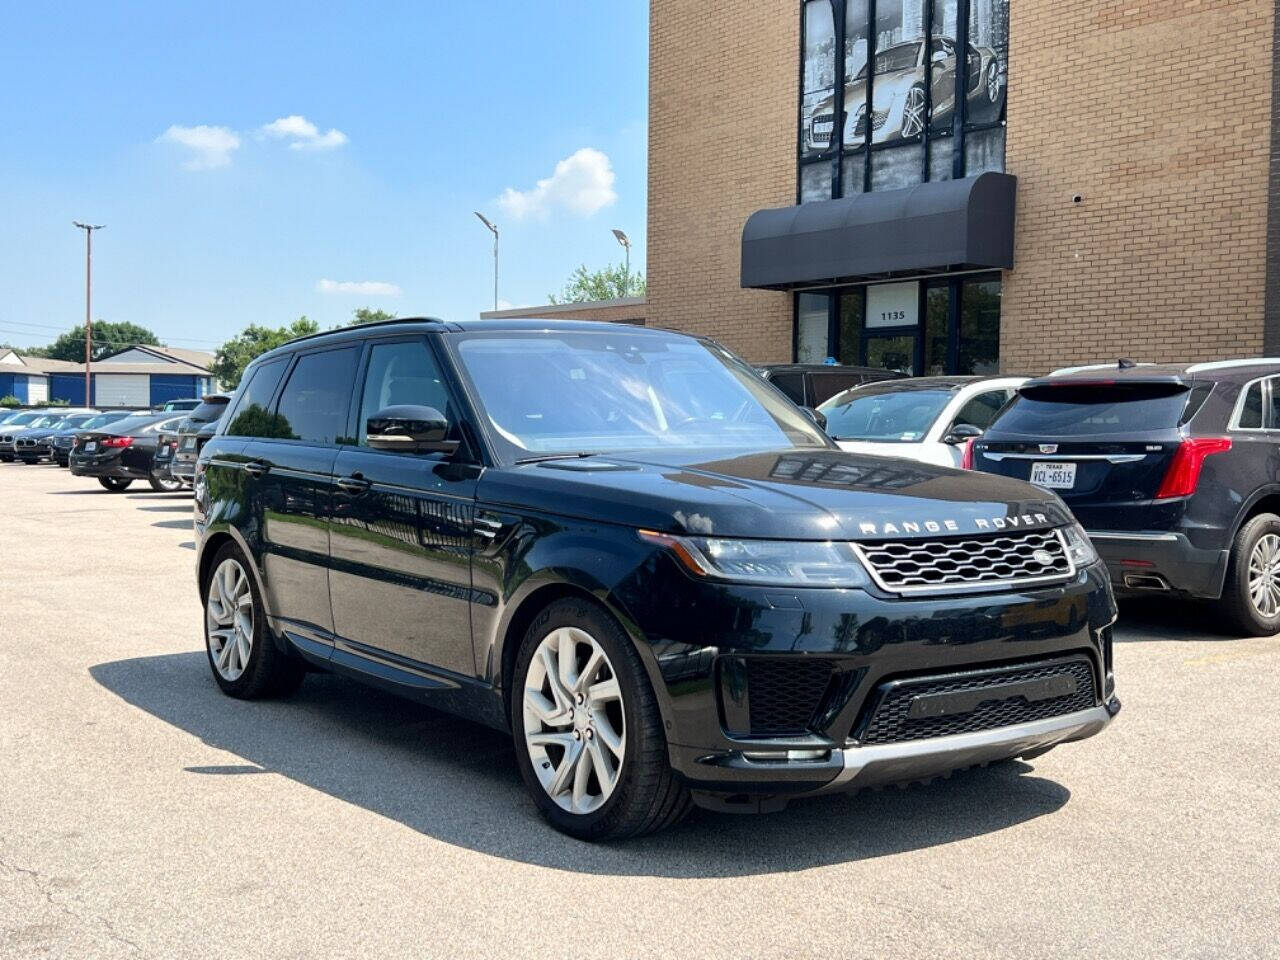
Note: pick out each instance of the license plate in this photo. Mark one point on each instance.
(90, 446)
(189, 443)
(1055, 476)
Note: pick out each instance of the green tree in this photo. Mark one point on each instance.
(108, 338)
(607, 283)
(251, 342)
(10, 401)
(369, 315)
(25, 351)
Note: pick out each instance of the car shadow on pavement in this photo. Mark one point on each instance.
(1143, 620)
(174, 524)
(157, 495)
(180, 508)
(457, 782)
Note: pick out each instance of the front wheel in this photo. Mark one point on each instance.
(162, 485)
(588, 732)
(115, 484)
(1251, 595)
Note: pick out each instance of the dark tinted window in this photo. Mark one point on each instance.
(135, 424)
(210, 409)
(252, 418)
(313, 404)
(399, 374)
(827, 385)
(792, 384)
(1089, 410)
(1251, 410)
(981, 410)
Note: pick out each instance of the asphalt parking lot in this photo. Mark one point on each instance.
(144, 814)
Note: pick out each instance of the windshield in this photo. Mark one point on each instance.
(901, 417)
(48, 420)
(23, 420)
(902, 57)
(79, 420)
(569, 392)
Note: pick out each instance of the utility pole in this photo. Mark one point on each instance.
(494, 229)
(88, 229)
(626, 274)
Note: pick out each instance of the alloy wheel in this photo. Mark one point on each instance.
(913, 112)
(229, 619)
(1264, 575)
(993, 83)
(574, 725)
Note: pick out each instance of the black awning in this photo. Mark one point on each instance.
(938, 227)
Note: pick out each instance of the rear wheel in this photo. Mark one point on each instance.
(245, 661)
(588, 733)
(161, 485)
(115, 484)
(1251, 595)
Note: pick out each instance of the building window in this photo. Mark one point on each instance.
(918, 93)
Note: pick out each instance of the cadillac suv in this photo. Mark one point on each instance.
(1174, 470)
(642, 561)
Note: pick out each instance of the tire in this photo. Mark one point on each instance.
(6, 457)
(266, 671)
(115, 484)
(164, 486)
(645, 795)
(1255, 557)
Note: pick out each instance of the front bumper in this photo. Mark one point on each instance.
(1160, 561)
(702, 640)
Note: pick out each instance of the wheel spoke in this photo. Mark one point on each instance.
(604, 691)
(604, 770)
(611, 738)
(564, 772)
(567, 660)
(589, 671)
(546, 711)
(562, 697)
(582, 778)
(545, 739)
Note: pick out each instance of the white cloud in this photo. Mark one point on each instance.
(366, 288)
(302, 134)
(210, 147)
(582, 184)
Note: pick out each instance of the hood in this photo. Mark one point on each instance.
(791, 494)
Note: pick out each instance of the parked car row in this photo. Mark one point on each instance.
(115, 447)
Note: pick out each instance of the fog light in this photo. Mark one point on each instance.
(782, 756)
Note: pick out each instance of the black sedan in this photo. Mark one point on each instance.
(177, 450)
(122, 452)
(64, 437)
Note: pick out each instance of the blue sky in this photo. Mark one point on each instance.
(258, 161)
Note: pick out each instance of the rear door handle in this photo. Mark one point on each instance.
(353, 484)
(256, 468)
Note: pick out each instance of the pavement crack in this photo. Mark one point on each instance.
(43, 888)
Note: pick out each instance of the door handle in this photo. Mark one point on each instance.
(353, 484)
(256, 468)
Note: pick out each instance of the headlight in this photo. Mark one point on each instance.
(1079, 548)
(796, 563)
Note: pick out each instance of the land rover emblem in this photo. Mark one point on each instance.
(1048, 448)
(1042, 557)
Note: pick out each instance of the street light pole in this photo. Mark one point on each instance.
(88, 229)
(626, 273)
(485, 220)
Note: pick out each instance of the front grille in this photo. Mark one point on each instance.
(878, 118)
(954, 564)
(784, 693)
(889, 722)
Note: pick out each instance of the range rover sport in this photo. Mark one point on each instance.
(641, 560)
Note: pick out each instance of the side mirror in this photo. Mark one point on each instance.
(939, 56)
(817, 416)
(961, 433)
(410, 429)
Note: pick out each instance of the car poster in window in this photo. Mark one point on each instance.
(817, 121)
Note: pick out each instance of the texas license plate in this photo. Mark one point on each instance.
(1055, 476)
(189, 443)
(90, 446)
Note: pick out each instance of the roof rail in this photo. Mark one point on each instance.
(1225, 364)
(363, 326)
(1114, 365)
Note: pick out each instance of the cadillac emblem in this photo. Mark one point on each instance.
(1048, 448)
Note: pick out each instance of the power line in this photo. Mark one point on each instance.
(47, 326)
(80, 339)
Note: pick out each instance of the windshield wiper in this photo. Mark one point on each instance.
(558, 456)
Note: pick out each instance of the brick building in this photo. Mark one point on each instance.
(1042, 182)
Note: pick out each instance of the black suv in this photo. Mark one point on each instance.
(809, 384)
(177, 450)
(625, 548)
(1173, 470)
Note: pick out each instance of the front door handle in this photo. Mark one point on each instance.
(353, 484)
(256, 468)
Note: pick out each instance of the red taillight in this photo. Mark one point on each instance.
(118, 442)
(1184, 472)
(966, 462)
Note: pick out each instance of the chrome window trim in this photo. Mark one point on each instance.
(1124, 535)
(1064, 457)
(1233, 425)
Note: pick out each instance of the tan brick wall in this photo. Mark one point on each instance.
(1157, 112)
(722, 119)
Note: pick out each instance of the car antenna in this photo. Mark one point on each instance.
(1124, 363)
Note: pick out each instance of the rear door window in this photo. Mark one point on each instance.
(827, 385)
(313, 404)
(980, 411)
(1086, 410)
(792, 384)
(252, 415)
(1251, 408)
